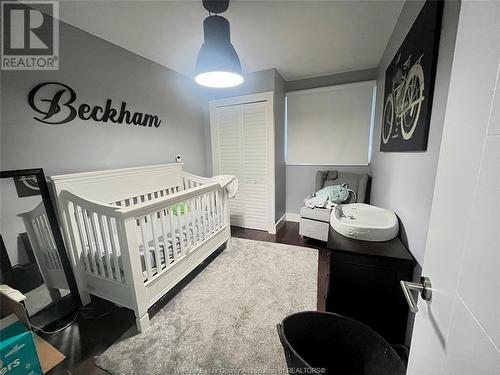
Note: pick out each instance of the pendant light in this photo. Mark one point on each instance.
(218, 64)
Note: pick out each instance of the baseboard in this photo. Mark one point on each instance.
(278, 225)
(292, 217)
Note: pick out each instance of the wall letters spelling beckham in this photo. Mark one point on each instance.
(60, 108)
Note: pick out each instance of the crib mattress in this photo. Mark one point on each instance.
(165, 247)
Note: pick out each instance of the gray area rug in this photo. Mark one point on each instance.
(224, 320)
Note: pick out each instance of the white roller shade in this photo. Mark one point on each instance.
(330, 125)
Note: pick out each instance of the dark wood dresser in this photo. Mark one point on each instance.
(360, 279)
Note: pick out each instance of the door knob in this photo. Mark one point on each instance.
(424, 287)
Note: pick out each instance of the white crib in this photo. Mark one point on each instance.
(132, 234)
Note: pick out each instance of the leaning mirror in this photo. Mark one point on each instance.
(33, 259)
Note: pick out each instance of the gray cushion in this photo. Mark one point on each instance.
(320, 214)
(356, 182)
(332, 175)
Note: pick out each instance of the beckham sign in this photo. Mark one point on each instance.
(55, 102)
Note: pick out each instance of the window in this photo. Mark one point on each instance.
(330, 125)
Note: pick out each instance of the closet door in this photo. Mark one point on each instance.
(241, 146)
(255, 165)
(230, 156)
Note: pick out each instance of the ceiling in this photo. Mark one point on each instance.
(299, 38)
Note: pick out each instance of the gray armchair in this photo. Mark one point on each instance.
(356, 182)
(315, 222)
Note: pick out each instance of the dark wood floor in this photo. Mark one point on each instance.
(102, 323)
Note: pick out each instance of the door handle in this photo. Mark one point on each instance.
(424, 287)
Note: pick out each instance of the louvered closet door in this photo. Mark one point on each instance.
(255, 168)
(229, 124)
(243, 152)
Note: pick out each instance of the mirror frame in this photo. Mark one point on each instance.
(54, 224)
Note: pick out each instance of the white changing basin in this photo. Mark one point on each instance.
(364, 222)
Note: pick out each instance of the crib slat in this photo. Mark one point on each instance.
(114, 253)
(46, 240)
(82, 237)
(52, 242)
(69, 222)
(192, 217)
(203, 225)
(172, 233)
(39, 229)
(217, 208)
(204, 216)
(190, 225)
(199, 213)
(211, 223)
(222, 209)
(41, 233)
(216, 212)
(187, 222)
(98, 249)
(181, 230)
(145, 248)
(213, 206)
(47, 231)
(185, 226)
(89, 240)
(206, 224)
(165, 239)
(41, 239)
(106, 247)
(159, 267)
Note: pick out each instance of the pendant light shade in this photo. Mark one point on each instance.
(218, 64)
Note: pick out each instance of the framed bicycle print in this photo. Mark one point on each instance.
(409, 84)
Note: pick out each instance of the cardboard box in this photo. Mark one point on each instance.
(11, 302)
(18, 355)
(49, 356)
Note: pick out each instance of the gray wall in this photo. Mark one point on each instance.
(404, 182)
(301, 181)
(279, 141)
(332, 79)
(98, 70)
(255, 82)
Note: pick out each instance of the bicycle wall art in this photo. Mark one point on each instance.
(409, 84)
